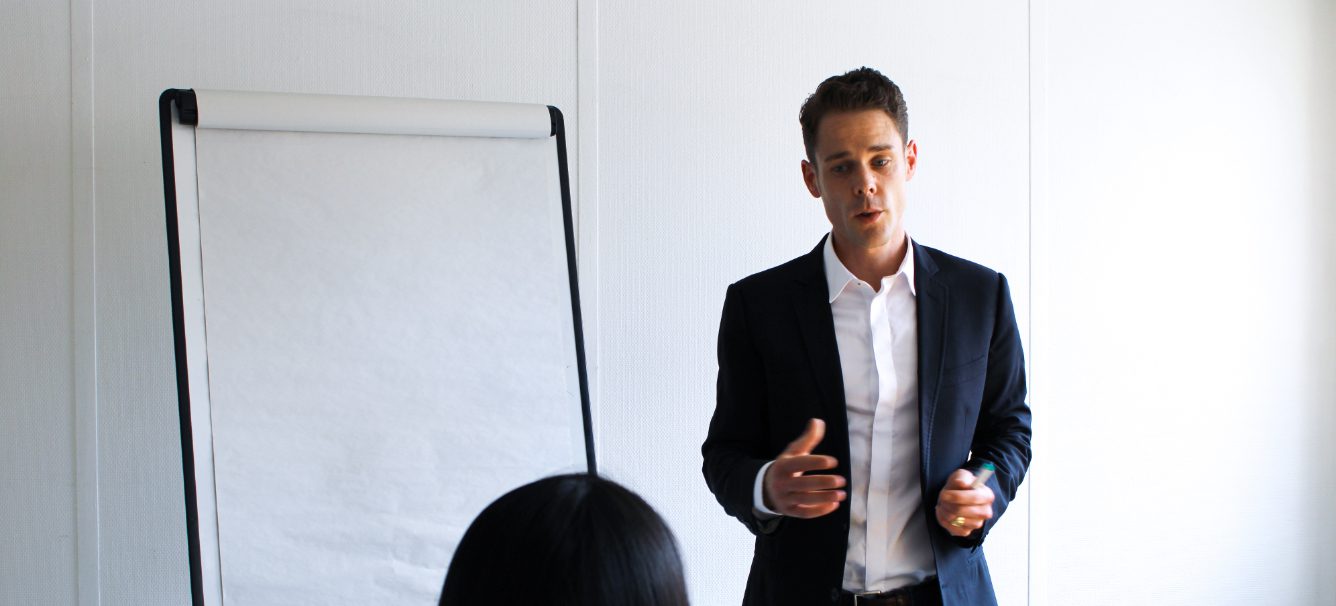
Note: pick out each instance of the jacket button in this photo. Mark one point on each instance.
(834, 595)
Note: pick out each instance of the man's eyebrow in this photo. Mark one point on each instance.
(875, 148)
(835, 156)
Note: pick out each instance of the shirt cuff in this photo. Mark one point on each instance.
(758, 496)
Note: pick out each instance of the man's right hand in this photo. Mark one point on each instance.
(790, 493)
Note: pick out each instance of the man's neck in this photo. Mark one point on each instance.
(872, 264)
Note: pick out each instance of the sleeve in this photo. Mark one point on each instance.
(734, 448)
(758, 499)
(1002, 434)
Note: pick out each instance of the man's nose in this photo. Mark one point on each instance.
(866, 185)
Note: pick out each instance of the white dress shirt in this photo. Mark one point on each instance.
(876, 332)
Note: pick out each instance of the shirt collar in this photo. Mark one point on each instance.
(838, 276)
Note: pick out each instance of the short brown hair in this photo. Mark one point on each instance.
(862, 88)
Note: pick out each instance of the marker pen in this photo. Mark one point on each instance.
(985, 472)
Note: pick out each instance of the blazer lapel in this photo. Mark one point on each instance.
(812, 306)
(932, 327)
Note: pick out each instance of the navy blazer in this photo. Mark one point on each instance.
(779, 366)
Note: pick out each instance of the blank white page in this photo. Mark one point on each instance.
(389, 344)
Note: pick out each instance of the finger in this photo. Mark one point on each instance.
(818, 497)
(962, 531)
(783, 476)
(951, 513)
(979, 496)
(966, 524)
(810, 483)
(811, 511)
(951, 510)
(798, 464)
(969, 525)
(803, 444)
(946, 512)
(954, 531)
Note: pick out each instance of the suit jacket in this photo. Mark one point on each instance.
(779, 366)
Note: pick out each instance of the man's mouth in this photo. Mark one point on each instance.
(869, 215)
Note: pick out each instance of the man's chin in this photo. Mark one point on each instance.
(870, 238)
(875, 238)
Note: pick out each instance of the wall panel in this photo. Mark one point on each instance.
(1187, 255)
(37, 506)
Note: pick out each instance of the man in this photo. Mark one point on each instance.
(891, 370)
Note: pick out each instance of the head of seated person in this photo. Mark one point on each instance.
(564, 541)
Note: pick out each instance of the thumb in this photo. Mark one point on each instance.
(803, 444)
(962, 479)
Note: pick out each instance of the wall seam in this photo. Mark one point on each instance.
(1037, 228)
(83, 243)
(1029, 258)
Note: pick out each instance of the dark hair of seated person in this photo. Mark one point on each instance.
(569, 540)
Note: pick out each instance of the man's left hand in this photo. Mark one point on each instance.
(961, 508)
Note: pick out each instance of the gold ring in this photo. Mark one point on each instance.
(958, 522)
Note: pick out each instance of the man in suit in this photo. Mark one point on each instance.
(862, 387)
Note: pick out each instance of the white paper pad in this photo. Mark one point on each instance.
(389, 348)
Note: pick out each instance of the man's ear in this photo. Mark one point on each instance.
(911, 159)
(809, 177)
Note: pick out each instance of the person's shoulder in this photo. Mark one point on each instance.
(779, 274)
(780, 277)
(966, 279)
(957, 270)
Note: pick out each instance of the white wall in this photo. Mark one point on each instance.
(37, 473)
(686, 150)
(1322, 33)
(1183, 422)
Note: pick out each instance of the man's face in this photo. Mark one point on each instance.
(860, 173)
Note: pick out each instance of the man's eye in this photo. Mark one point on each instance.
(880, 162)
(839, 168)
